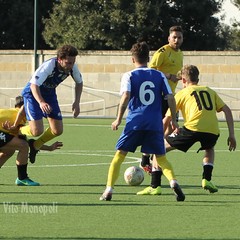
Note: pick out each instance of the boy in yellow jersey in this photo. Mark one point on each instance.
(16, 125)
(199, 105)
(10, 141)
(141, 92)
(169, 60)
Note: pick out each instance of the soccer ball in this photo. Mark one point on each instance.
(134, 176)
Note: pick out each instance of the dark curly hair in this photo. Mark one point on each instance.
(18, 101)
(67, 51)
(140, 51)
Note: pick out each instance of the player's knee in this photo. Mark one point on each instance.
(23, 146)
(37, 132)
(57, 132)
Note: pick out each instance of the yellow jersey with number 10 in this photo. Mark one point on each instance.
(199, 105)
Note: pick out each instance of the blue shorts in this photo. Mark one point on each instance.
(34, 112)
(151, 142)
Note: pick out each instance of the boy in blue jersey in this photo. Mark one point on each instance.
(141, 91)
(40, 99)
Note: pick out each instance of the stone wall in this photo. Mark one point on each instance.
(102, 71)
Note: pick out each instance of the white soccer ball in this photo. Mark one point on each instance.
(134, 176)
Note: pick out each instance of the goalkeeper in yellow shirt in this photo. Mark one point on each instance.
(198, 105)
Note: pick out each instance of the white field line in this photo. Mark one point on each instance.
(100, 154)
(109, 126)
(134, 160)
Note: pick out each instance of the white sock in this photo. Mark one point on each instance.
(108, 189)
(173, 182)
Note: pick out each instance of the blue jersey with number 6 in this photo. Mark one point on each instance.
(147, 86)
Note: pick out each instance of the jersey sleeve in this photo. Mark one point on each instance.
(219, 103)
(43, 72)
(125, 83)
(167, 89)
(76, 75)
(157, 59)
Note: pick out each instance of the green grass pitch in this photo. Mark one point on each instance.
(67, 206)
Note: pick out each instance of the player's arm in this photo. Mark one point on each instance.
(54, 146)
(231, 141)
(172, 77)
(76, 103)
(38, 96)
(121, 109)
(19, 118)
(172, 108)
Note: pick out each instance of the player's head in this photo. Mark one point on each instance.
(67, 51)
(175, 38)
(18, 101)
(140, 52)
(190, 74)
(66, 56)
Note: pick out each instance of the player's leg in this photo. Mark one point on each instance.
(208, 141)
(169, 174)
(156, 176)
(208, 164)
(54, 130)
(145, 163)
(34, 116)
(34, 129)
(5, 155)
(155, 186)
(113, 174)
(22, 159)
(127, 142)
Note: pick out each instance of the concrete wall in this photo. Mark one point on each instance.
(102, 71)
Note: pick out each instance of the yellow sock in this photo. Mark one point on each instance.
(166, 167)
(25, 130)
(45, 137)
(114, 168)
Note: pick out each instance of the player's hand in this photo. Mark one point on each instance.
(115, 125)
(231, 142)
(46, 108)
(174, 78)
(7, 126)
(174, 126)
(75, 109)
(56, 145)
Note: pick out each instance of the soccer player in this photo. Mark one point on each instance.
(10, 141)
(40, 99)
(199, 105)
(169, 60)
(141, 92)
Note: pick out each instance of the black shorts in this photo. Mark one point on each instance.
(5, 138)
(186, 138)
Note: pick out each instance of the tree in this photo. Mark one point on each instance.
(17, 24)
(117, 24)
(234, 39)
